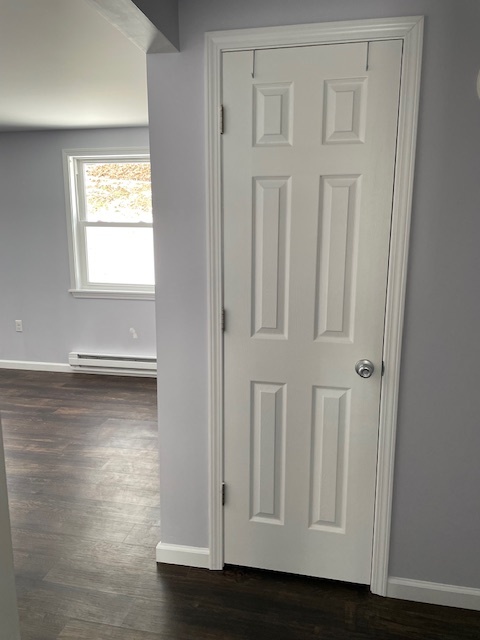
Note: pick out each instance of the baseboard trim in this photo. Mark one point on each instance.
(105, 371)
(186, 556)
(27, 365)
(434, 593)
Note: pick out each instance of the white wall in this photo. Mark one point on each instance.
(436, 520)
(34, 267)
(8, 598)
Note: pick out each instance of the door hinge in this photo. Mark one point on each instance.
(223, 494)
(221, 119)
(223, 319)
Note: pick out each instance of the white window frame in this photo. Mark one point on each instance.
(74, 195)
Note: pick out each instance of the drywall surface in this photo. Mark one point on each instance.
(8, 597)
(164, 15)
(34, 264)
(51, 78)
(436, 519)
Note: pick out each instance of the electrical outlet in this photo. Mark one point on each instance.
(18, 325)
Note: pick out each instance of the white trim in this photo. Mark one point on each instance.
(113, 295)
(395, 305)
(310, 34)
(215, 299)
(180, 554)
(126, 373)
(27, 365)
(410, 30)
(76, 225)
(447, 595)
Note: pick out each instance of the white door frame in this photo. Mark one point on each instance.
(410, 30)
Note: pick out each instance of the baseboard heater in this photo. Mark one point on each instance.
(113, 364)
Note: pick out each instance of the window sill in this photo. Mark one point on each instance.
(112, 294)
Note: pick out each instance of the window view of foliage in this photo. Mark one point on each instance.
(118, 191)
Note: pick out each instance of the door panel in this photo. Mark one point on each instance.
(336, 250)
(308, 162)
(271, 226)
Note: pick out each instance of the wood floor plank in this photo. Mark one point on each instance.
(44, 550)
(125, 579)
(72, 602)
(79, 630)
(33, 565)
(46, 506)
(102, 491)
(69, 522)
(38, 471)
(145, 535)
(39, 625)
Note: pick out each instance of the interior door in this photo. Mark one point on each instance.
(308, 167)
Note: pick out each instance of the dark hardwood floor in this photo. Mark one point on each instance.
(83, 483)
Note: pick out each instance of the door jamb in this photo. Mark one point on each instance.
(410, 30)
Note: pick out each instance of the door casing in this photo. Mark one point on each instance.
(410, 31)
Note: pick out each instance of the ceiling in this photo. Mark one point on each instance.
(62, 65)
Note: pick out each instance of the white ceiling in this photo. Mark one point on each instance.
(62, 65)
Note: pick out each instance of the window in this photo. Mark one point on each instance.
(110, 223)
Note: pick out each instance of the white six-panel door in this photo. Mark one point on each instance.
(308, 165)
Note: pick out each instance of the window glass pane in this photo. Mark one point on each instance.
(117, 191)
(120, 256)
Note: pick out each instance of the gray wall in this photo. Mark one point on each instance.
(164, 15)
(8, 598)
(436, 520)
(34, 266)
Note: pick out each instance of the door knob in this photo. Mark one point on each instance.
(364, 368)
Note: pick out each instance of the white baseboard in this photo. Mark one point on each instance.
(186, 556)
(434, 593)
(131, 373)
(27, 365)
